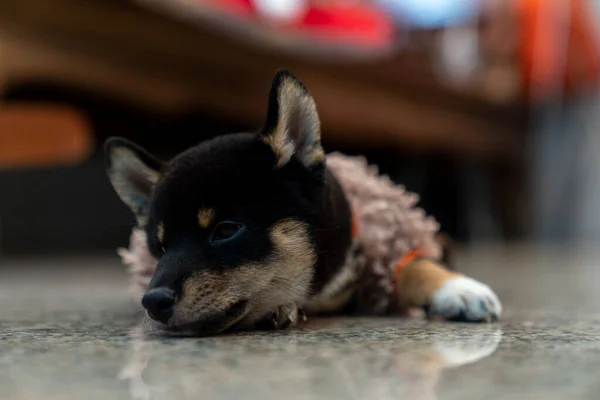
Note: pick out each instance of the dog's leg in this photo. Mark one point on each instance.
(444, 293)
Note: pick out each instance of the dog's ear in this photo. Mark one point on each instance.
(133, 173)
(292, 129)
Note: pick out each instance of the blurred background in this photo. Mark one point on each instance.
(489, 109)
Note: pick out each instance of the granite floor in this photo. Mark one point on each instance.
(69, 331)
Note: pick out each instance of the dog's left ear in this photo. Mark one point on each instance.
(292, 129)
(133, 172)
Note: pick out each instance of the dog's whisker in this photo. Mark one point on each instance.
(287, 285)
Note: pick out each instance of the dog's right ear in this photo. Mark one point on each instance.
(133, 173)
(292, 128)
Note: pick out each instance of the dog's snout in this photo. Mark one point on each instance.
(159, 302)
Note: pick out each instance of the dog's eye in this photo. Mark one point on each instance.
(225, 231)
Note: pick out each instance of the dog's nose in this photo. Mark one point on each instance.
(159, 302)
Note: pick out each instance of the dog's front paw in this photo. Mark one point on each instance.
(283, 317)
(465, 299)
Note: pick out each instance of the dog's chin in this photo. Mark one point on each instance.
(218, 323)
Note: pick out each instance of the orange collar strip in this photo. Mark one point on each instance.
(404, 261)
(354, 227)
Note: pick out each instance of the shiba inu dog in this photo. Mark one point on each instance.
(247, 228)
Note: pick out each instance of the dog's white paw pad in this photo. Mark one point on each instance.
(465, 299)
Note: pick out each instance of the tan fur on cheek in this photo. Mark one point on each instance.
(206, 293)
(282, 279)
(419, 280)
(205, 217)
(291, 267)
(294, 252)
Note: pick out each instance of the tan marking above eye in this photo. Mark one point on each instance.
(160, 232)
(205, 217)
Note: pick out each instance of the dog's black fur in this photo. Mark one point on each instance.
(257, 182)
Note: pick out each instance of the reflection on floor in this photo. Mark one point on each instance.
(69, 331)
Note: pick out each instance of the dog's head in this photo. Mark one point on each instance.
(232, 219)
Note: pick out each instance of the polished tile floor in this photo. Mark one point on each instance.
(69, 331)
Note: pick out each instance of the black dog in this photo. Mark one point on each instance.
(247, 227)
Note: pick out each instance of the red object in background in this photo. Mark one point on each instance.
(560, 47)
(240, 8)
(343, 22)
(359, 22)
